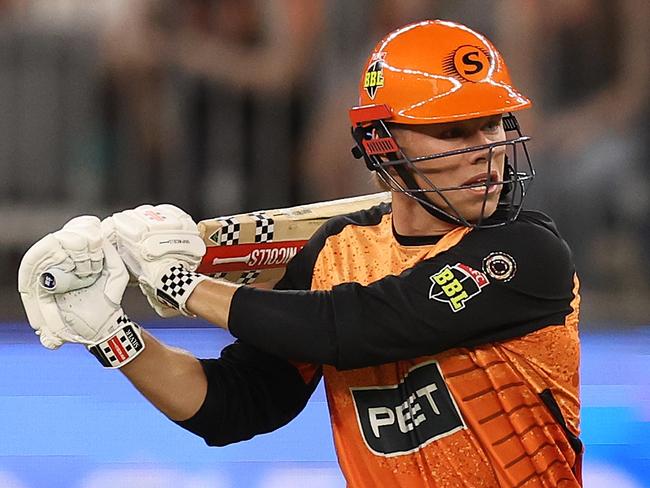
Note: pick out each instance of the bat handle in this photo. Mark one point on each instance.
(56, 280)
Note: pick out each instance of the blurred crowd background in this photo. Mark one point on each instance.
(226, 106)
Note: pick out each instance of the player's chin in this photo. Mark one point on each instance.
(471, 207)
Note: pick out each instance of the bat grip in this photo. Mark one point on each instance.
(56, 280)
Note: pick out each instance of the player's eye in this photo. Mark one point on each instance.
(453, 133)
(492, 125)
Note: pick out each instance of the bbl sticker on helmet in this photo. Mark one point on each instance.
(500, 266)
(469, 63)
(374, 77)
(456, 285)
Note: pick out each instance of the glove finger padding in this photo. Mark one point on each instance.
(160, 231)
(91, 313)
(39, 305)
(109, 234)
(118, 276)
(150, 240)
(37, 309)
(82, 239)
(44, 254)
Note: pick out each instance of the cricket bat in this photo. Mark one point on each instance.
(257, 246)
(248, 247)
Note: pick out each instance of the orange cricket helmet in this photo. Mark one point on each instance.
(436, 71)
(432, 72)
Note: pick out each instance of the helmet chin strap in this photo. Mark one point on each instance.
(414, 190)
(421, 197)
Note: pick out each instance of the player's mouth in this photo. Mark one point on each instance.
(477, 183)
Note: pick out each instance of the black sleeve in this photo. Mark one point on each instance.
(252, 392)
(249, 392)
(494, 285)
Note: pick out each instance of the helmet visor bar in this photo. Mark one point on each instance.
(513, 183)
(456, 152)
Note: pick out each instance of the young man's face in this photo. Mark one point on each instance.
(462, 169)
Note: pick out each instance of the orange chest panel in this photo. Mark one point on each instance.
(367, 254)
(450, 419)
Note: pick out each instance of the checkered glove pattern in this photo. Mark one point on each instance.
(175, 286)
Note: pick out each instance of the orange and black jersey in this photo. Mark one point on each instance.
(449, 361)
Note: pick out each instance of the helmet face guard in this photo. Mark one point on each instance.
(381, 152)
(438, 72)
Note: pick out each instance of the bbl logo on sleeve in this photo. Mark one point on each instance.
(399, 419)
(374, 77)
(456, 284)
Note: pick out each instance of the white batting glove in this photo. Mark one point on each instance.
(76, 256)
(94, 316)
(161, 248)
(74, 252)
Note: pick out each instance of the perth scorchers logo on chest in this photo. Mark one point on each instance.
(456, 285)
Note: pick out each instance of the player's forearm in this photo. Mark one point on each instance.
(211, 301)
(291, 324)
(171, 379)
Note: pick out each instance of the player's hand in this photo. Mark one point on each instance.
(78, 257)
(161, 248)
(93, 315)
(75, 252)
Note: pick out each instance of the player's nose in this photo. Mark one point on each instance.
(482, 155)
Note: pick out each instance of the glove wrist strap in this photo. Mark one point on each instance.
(121, 347)
(175, 287)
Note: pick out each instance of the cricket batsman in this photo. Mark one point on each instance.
(444, 323)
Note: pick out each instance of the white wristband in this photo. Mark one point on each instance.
(121, 347)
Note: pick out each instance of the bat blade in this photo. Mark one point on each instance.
(257, 246)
